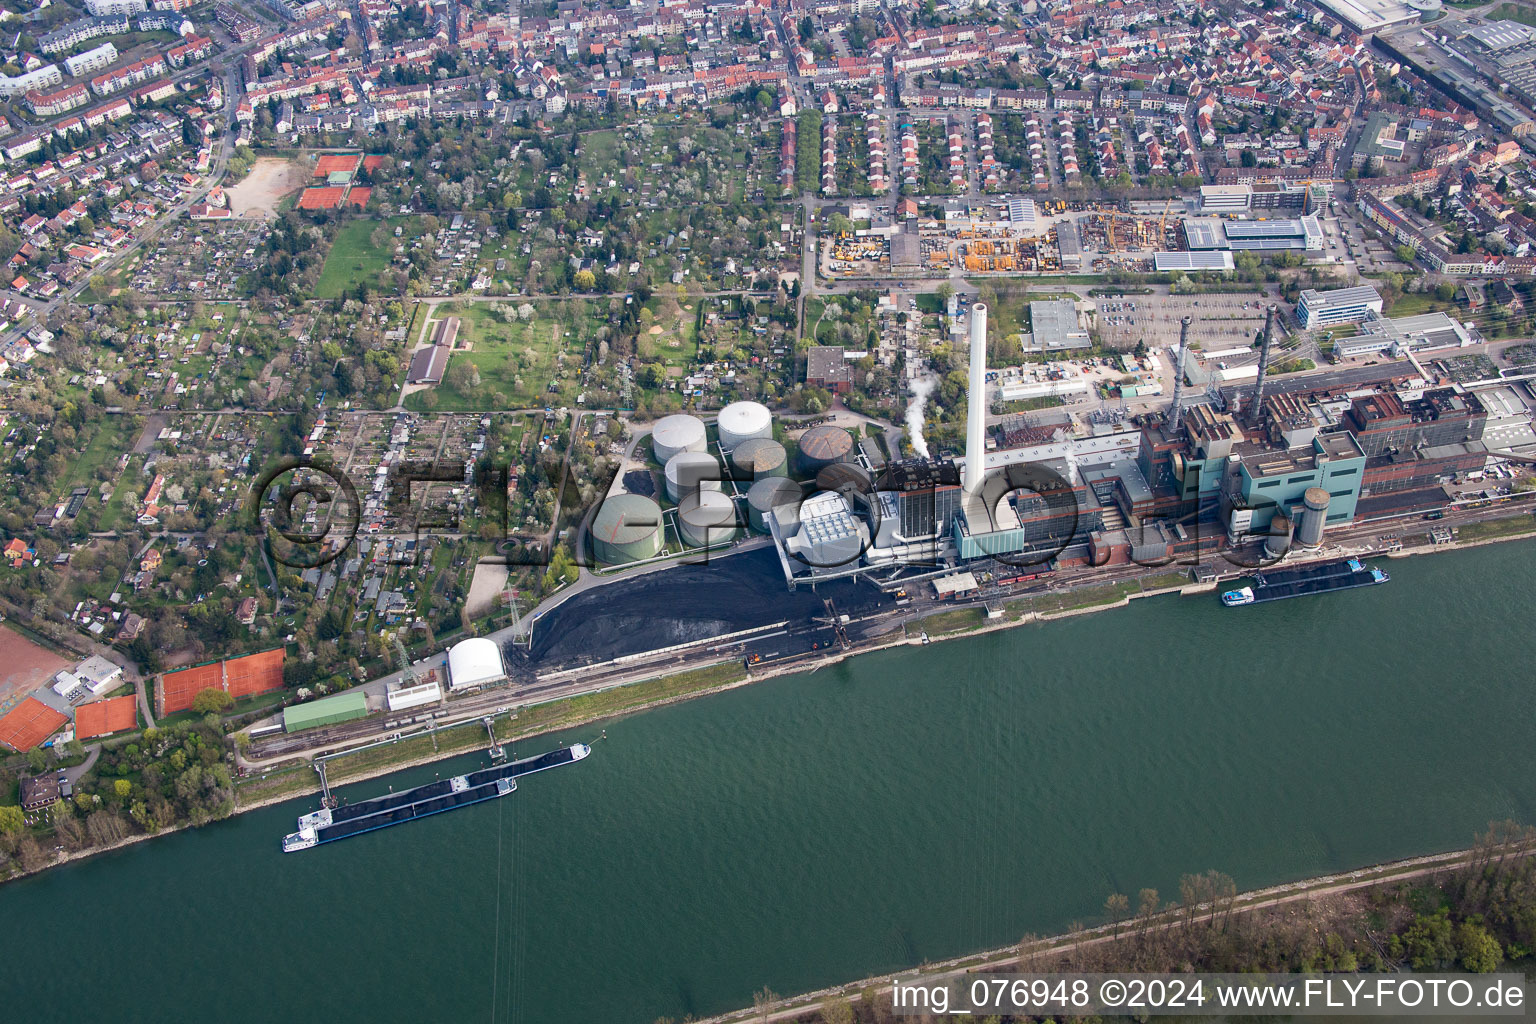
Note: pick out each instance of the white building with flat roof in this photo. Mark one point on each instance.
(1371, 15)
(1337, 306)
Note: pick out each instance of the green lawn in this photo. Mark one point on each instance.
(517, 360)
(1514, 526)
(354, 260)
(1416, 303)
(109, 442)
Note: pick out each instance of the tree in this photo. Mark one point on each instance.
(463, 376)
(37, 759)
(1404, 253)
(1115, 906)
(211, 700)
(1429, 942)
(12, 820)
(121, 788)
(1480, 952)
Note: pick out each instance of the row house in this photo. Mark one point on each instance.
(61, 101)
(129, 75)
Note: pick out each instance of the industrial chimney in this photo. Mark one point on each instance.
(1257, 405)
(1175, 425)
(976, 402)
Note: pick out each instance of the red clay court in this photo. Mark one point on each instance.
(238, 677)
(330, 163)
(104, 717)
(327, 198)
(372, 161)
(29, 723)
(24, 666)
(358, 197)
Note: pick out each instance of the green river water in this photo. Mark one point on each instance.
(901, 807)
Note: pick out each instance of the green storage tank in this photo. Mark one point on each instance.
(326, 711)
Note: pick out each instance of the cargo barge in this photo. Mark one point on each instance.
(1308, 579)
(331, 823)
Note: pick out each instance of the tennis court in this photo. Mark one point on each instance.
(29, 723)
(254, 673)
(177, 689)
(238, 677)
(104, 717)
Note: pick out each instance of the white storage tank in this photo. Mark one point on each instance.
(706, 518)
(742, 421)
(688, 472)
(675, 434)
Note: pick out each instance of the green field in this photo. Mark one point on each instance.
(354, 260)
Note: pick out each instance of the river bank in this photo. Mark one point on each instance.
(698, 680)
(879, 814)
(1042, 954)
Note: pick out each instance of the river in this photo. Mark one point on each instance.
(904, 806)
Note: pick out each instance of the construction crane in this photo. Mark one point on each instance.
(1162, 224)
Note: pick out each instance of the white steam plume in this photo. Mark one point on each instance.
(922, 387)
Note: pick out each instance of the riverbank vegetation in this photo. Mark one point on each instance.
(163, 778)
(1478, 914)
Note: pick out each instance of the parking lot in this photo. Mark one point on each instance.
(1216, 321)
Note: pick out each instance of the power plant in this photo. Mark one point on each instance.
(976, 402)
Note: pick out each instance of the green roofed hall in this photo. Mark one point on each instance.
(326, 711)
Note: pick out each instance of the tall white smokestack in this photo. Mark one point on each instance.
(976, 402)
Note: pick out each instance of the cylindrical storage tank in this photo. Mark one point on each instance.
(691, 471)
(627, 528)
(706, 518)
(824, 446)
(742, 421)
(1314, 517)
(674, 434)
(768, 494)
(1279, 540)
(760, 457)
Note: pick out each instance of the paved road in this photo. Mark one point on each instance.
(73, 775)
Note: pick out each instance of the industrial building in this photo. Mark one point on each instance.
(1280, 235)
(826, 367)
(474, 662)
(1190, 262)
(1337, 306)
(1054, 327)
(1426, 332)
(1369, 16)
(343, 707)
(404, 698)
